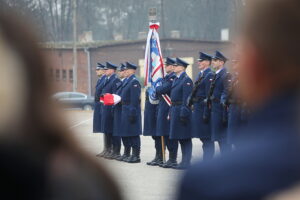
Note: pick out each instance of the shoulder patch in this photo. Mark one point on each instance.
(188, 83)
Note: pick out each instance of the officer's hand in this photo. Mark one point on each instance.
(205, 119)
(184, 120)
(132, 119)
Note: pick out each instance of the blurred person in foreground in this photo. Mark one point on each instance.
(267, 163)
(39, 159)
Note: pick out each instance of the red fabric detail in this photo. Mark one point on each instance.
(154, 26)
(108, 99)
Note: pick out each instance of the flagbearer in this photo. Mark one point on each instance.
(110, 83)
(180, 126)
(98, 106)
(150, 117)
(131, 113)
(163, 118)
(201, 113)
(218, 95)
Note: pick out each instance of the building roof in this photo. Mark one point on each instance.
(99, 44)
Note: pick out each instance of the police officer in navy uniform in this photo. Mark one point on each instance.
(236, 107)
(163, 118)
(131, 112)
(98, 106)
(117, 111)
(150, 117)
(201, 112)
(180, 125)
(110, 83)
(217, 98)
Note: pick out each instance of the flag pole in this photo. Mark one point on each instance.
(153, 19)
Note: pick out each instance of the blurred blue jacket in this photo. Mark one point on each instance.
(266, 162)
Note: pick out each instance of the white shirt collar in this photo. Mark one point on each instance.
(218, 71)
(178, 75)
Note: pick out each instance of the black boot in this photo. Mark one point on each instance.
(108, 153)
(151, 163)
(104, 152)
(185, 163)
(126, 154)
(116, 152)
(172, 162)
(159, 160)
(135, 158)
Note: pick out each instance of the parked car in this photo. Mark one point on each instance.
(75, 100)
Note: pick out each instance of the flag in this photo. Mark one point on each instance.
(154, 69)
(154, 66)
(110, 99)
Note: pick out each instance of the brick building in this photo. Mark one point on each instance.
(61, 58)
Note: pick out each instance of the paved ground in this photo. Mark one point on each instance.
(137, 181)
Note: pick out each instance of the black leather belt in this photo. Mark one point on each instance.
(198, 99)
(177, 103)
(125, 103)
(215, 100)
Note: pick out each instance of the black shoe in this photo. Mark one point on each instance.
(169, 164)
(152, 162)
(102, 153)
(182, 166)
(108, 154)
(115, 156)
(172, 162)
(125, 156)
(135, 158)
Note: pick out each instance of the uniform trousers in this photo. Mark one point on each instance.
(172, 145)
(208, 147)
(186, 149)
(112, 141)
(132, 141)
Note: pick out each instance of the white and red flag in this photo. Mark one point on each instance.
(154, 66)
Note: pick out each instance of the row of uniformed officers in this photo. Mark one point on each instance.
(206, 109)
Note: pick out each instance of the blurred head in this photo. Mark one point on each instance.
(203, 64)
(179, 69)
(100, 72)
(121, 74)
(169, 68)
(13, 86)
(269, 47)
(129, 72)
(32, 135)
(218, 64)
(109, 72)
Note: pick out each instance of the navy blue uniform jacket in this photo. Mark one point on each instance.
(117, 111)
(218, 112)
(181, 89)
(131, 107)
(150, 117)
(109, 86)
(201, 129)
(163, 120)
(98, 106)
